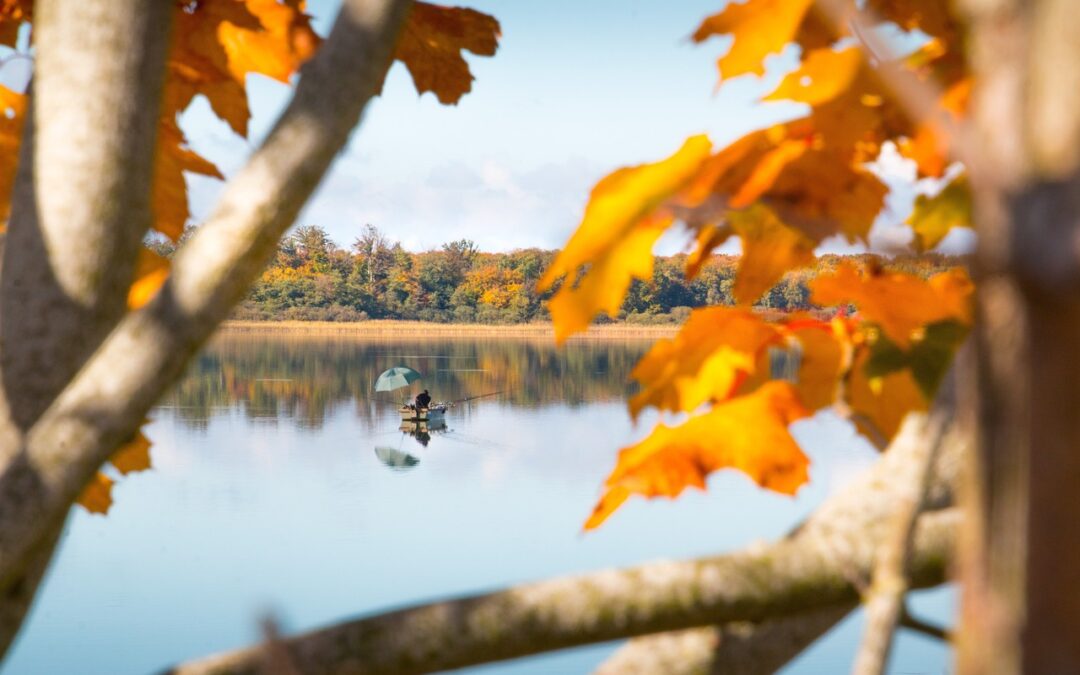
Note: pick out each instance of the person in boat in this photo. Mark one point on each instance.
(423, 400)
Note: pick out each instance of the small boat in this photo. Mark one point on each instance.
(435, 412)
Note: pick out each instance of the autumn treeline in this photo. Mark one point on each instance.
(314, 279)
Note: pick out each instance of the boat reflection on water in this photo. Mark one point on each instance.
(421, 430)
(400, 460)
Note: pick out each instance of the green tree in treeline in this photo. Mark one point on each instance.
(313, 279)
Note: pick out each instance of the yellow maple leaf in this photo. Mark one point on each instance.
(759, 28)
(766, 170)
(880, 404)
(622, 222)
(823, 75)
(713, 351)
(709, 236)
(823, 356)
(748, 433)
(770, 248)
(96, 497)
(605, 285)
(821, 353)
(935, 216)
(900, 303)
(432, 42)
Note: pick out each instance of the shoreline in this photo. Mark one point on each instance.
(377, 328)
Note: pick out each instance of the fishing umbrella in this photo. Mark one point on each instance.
(398, 460)
(396, 378)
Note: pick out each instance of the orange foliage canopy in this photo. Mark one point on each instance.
(216, 45)
(783, 190)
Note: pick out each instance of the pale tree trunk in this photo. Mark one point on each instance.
(1021, 611)
(78, 374)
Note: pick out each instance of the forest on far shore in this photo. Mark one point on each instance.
(313, 279)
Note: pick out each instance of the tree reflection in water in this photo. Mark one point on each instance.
(304, 378)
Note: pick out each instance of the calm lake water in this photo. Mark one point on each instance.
(282, 485)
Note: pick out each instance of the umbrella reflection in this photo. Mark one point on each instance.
(398, 460)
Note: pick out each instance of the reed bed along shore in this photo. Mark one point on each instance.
(420, 329)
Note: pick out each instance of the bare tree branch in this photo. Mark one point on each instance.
(917, 625)
(107, 400)
(741, 647)
(884, 601)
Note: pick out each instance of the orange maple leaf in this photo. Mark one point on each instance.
(12, 114)
(770, 248)
(133, 456)
(811, 354)
(277, 48)
(880, 404)
(432, 42)
(217, 43)
(151, 271)
(13, 13)
(622, 222)
(96, 497)
(170, 199)
(714, 350)
(761, 28)
(900, 303)
(748, 433)
(929, 146)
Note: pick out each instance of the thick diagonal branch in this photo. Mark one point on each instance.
(885, 598)
(742, 647)
(109, 397)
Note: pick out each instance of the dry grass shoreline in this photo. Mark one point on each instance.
(421, 329)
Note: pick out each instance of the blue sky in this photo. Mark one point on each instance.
(576, 90)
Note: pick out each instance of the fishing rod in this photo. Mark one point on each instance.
(473, 398)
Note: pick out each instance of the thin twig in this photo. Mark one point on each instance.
(926, 628)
